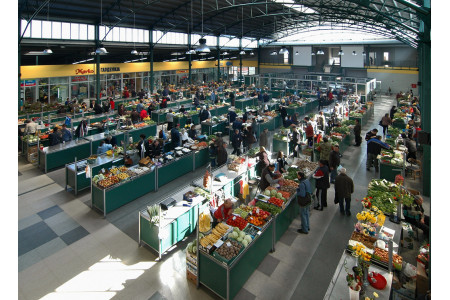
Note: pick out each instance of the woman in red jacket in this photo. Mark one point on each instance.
(112, 104)
(143, 114)
(309, 131)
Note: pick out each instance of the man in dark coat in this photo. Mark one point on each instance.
(371, 134)
(236, 142)
(357, 131)
(322, 176)
(232, 115)
(374, 146)
(334, 161)
(343, 189)
(175, 136)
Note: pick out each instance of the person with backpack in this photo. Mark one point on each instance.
(304, 201)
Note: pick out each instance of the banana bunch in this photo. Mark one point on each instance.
(215, 235)
(204, 222)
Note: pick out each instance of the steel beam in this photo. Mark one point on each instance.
(150, 52)
(97, 63)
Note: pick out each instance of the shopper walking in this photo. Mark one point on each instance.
(212, 154)
(304, 201)
(135, 116)
(222, 154)
(385, 122)
(309, 131)
(343, 190)
(374, 146)
(281, 162)
(143, 147)
(322, 176)
(392, 112)
(334, 161)
(294, 142)
(263, 161)
(325, 148)
(169, 119)
(371, 134)
(357, 132)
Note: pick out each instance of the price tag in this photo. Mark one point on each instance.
(228, 244)
(390, 200)
(234, 218)
(259, 232)
(257, 211)
(103, 170)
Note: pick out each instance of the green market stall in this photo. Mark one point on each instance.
(243, 103)
(175, 168)
(209, 128)
(53, 157)
(76, 176)
(109, 199)
(165, 228)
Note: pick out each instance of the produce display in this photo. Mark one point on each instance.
(367, 241)
(255, 220)
(192, 247)
(275, 193)
(272, 209)
(251, 230)
(108, 181)
(261, 213)
(240, 236)
(237, 221)
(384, 195)
(306, 166)
(217, 233)
(276, 201)
(383, 256)
(239, 211)
(207, 179)
(153, 213)
(204, 222)
(229, 250)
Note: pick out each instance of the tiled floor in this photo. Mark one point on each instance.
(69, 251)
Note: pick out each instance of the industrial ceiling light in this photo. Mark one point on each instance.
(341, 52)
(202, 42)
(320, 52)
(354, 53)
(283, 50)
(134, 52)
(176, 53)
(274, 53)
(296, 52)
(312, 54)
(364, 53)
(251, 53)
(47, 51)
(242, 52)
(190, 52)
(225, 53)
(101, 50)
(203, 53)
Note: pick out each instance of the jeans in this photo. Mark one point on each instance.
(333, 175)
(323, 198)
(347, 205)
(372, 160)
(304, 217)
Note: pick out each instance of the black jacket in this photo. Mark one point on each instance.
(357, 129)
(146, 148)
(323, 182)
(334, 159)
(155, 150)
(232, 116)
(343, 186)
(369, 135)
(98, 109)
(113, 141)
(222, 155)
(236, 140)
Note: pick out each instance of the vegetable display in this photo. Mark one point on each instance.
(240, 236)
(276, 201)
(261, 213)
(384, 195)
(237, 221)
(229, 249)
(272, 209)
(255, 220)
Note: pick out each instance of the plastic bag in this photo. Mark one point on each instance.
(410, 271)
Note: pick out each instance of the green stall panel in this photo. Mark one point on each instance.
(208, 128)
(291, 110)
(67, 153)
(180, 120)
(158, 117)
(388, 171)
(182, 166)
(122, 194)
(201, 158)
(183, 225)
(212, 274)
(284, 219)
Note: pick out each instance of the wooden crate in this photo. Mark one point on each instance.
(191, 277)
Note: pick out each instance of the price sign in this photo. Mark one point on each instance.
(228, 244)
(234, 218)
(257, 211)
(259, 232)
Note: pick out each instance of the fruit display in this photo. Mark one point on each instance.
(215, 235)
(123, 176)
(366, 240)
(229, 250)
(240, 236)
(261, 213)
(274, 193)
(114, 170)
(288, 182)
(237, 221)
(276, 201)
(272, 209)
(291, 190)
(204, 222)
(108, 181)
(383, 256)
(251, 230)
(255, 220)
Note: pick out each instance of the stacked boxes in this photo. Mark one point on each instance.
(191, 267)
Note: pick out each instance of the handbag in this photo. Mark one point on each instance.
(304, 201)
(380, 123)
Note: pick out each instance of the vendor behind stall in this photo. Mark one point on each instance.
(224, 211)
(111, 140)
(156, 150)
(65, 134)
(268, 177)
(143, 147)
(103, 147)
(192, 133)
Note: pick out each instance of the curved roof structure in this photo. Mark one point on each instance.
(259, 19)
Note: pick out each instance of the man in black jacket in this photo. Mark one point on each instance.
(236, 142)
(343, 189)
(334, 161)
(155, 149)
(232, 115)
(374, 146)
(322, 184)
(371, 134)
(357, 131)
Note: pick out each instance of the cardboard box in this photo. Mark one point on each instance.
(191, 277)
(422, 283)
(191, 258)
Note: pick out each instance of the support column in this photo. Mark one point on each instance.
(190, 59)
(425, 96)
(97, 64)
(258, 70)
(151, 47)
(19, 95)
(240, 60)
(367, 56)
(218, 58)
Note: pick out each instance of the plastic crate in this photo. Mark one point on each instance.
(223, 259)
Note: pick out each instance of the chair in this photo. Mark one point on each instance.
(415, 168)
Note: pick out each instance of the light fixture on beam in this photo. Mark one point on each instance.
(354, 53)
(296, 53)
(274, 53)
(242, 52)
(202, 47)
(320, 52)
(341, 52)
(190, 52)
(251, 53)
(225, 53)
(312, 54)
(47, 51)
(364, 53)
(283, 50)
(134, 52)
(101, 50)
